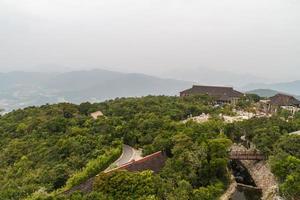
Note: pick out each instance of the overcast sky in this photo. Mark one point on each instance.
(259, 37)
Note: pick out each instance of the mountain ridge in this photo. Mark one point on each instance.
(292, 87)
(22, 89)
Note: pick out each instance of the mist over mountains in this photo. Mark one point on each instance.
(22, 89)
(214, 77)
(267, 90)
(292, 87)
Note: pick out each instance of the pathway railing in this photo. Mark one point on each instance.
(246, 155)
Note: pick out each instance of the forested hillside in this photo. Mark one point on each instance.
(50, 147)
(46, 150)
(42, 147)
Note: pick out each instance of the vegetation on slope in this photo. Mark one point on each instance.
(58, 146)
(45, 147)
(42, 147)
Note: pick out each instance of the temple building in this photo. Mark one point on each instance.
(284, 101)
(220, 94)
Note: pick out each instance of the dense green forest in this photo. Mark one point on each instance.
(47, 149)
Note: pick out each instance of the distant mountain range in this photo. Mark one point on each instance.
(21, 89)
(292, 87)
(269, 93)
(263, 92)
(209, 76)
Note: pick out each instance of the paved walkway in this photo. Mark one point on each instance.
(129, 154)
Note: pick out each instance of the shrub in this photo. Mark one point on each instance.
(94, 166)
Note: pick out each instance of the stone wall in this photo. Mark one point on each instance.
(263, 177)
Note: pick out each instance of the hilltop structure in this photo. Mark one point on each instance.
(220, 94)
(284, 101)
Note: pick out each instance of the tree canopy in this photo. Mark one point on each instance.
(50, 148)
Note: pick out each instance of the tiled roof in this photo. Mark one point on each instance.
(222, 93)
(152, 162)
(284, 100)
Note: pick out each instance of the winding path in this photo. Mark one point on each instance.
(129, 154)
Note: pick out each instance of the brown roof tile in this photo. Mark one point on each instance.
(222, 93)
(284, 100)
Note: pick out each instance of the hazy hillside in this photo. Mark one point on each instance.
(286, 87)
(263, 92)
(127, 85)
(213, 77)
(269, 93)
(80, 80)
(18, 77)
(21, 89)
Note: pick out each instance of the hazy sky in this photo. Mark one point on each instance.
(261, 37)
